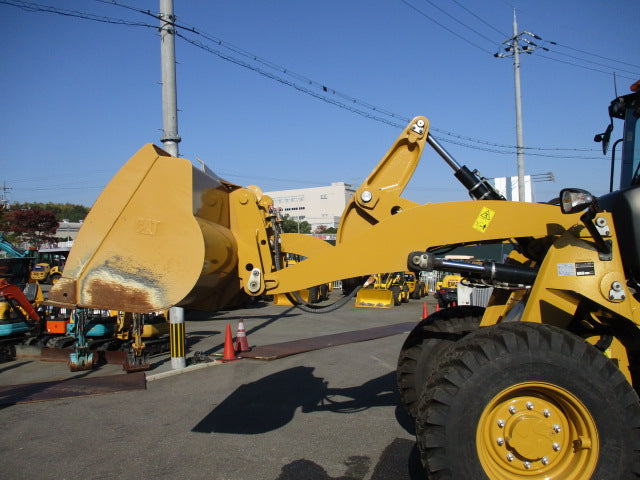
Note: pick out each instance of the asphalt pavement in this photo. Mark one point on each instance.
(327, 414)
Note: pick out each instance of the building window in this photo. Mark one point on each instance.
(323, 196)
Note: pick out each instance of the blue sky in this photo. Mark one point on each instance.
(80, 97)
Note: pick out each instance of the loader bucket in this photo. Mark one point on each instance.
(157, 236)
(375, 298)
(283, 298)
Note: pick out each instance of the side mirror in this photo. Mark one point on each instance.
(604, 137)
(574, 200)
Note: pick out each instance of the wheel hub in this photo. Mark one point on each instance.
(530, 432)
(537, 430)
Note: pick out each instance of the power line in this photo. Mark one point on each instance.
(37, 7)
(595, 55)
(595, 63)
(352, 104)
(457, 20)
(583, 66)
(443, 27)
(482, 20)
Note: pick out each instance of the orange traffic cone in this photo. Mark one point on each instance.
(242, 345)
(438, 307)
(454, 304)
(229, 354)
(425, 311)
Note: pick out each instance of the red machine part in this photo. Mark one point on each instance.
(13, 292)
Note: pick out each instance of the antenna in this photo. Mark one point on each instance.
(615, 85)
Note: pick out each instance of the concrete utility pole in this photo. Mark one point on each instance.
(170, 140)
(170, 137)
(519, 144)
(514, 49)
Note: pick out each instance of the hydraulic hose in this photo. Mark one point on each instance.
(294, 297)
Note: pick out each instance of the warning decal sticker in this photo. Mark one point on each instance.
(484, 219)
(566, 269)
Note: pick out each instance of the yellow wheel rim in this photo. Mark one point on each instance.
(537, 431)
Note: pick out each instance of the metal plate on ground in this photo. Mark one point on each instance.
(101, 356)
(284, 349)
(73, 387)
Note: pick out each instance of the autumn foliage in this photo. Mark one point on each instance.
(33, 226)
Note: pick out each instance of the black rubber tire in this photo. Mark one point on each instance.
(53, 279)
(324, 292)
(395, 293)
(314, 294)
(424, 346)
(515, 356)
(405, 294)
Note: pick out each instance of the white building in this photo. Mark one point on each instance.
(508, 187)
(316, 205)
(67, 231)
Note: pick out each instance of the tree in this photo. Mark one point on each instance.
(289, 225)
(325, 229)
(33, 225)
(62, 211)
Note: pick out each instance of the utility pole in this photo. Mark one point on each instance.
(514, 49)
(170, 140)
(4, 201)
(170, 137)
(520, 143)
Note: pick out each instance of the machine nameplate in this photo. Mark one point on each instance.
(579, 269)
(585, 268)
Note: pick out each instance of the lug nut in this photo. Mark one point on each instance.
(512, 409)
(529, 406)
(555, 446)
(510, 456)
(546, 413)
(544, 460)
(526, 464)
(500, 441)
(501, 423)
(556, 428)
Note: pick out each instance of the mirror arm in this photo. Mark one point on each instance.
(587, 218)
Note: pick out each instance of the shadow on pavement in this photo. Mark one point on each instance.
(399, 461)
(271, 402)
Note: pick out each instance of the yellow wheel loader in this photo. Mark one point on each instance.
(447, 290)
(383, 290)
(49, 265)
(537, 385)
(417, 288)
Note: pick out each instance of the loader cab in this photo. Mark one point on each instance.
(624, 203)
(627, 108)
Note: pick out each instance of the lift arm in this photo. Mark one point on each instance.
(164, 233)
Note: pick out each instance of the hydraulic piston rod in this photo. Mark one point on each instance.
(477, 186)
(489, 272)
